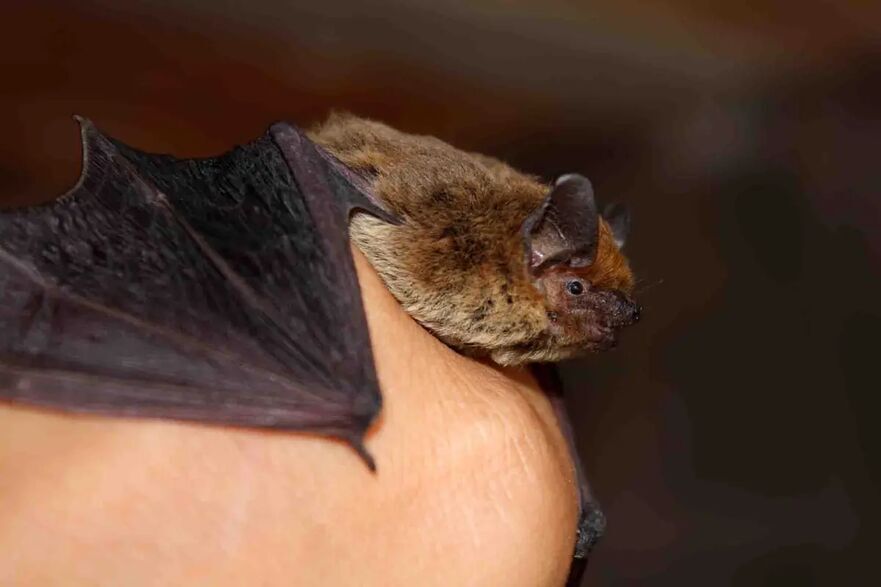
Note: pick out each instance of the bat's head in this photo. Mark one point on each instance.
(572, 254)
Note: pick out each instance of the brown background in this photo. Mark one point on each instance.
(731, 437)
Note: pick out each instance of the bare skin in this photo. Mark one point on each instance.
(475, 487)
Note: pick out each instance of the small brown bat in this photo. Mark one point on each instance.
(223, 291)
(491, 260)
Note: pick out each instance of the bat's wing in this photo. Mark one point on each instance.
(216, 290)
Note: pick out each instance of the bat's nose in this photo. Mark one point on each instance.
(635, 312)
(626, 311)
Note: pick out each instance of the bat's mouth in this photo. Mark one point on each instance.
(606, 339)
(618, 311)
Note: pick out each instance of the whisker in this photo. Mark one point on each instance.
(641, 288)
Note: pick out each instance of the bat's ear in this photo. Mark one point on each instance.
(563, 230)
(617, 216)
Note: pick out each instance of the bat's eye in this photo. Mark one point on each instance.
(575, 287)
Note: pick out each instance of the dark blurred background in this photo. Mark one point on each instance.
(732, 438)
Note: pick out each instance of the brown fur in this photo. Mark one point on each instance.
(457, 263)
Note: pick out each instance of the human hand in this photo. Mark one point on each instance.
(475, 486)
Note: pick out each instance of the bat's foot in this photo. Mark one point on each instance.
(591, 527)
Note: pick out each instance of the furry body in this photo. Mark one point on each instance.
(458, 262)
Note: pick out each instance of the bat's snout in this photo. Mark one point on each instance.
(622, 311)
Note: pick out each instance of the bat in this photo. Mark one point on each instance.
(492, 261)
(223, 291)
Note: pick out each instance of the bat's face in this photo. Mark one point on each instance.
(574, 258)
(586, 309)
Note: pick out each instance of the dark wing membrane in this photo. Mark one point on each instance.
(217, 290)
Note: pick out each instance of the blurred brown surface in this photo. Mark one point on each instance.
(732, 438)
